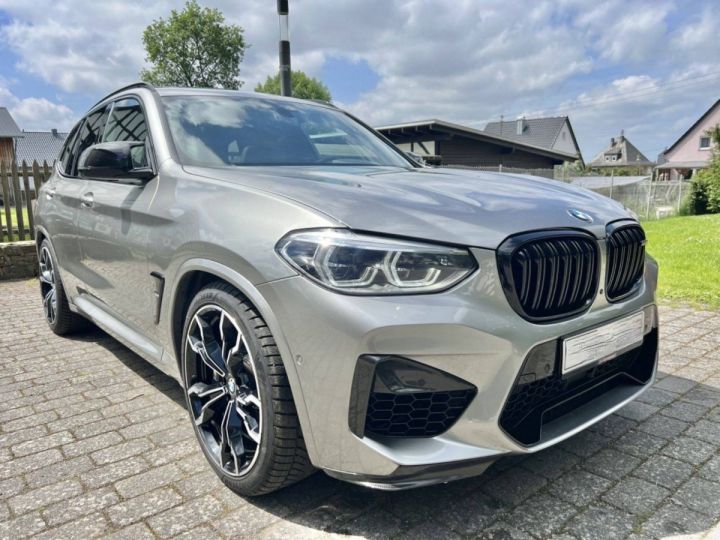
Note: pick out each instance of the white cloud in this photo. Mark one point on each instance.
(38, 114)
(462, 60)
(625, 31)
(41, 114)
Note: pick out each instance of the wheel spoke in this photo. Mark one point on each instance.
(244, 404)
(46, 276)
(231, 445)
(203, 347)
(49, 305)
(230, 344)
(53, 304)
(213, 393)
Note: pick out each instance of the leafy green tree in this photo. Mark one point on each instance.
(303, 86)
(194, 48)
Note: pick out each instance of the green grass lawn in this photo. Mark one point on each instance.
(688, 251)
(13, 216)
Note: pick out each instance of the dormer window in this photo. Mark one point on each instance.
(704, 143)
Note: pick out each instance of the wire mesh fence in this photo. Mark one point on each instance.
(647, 198)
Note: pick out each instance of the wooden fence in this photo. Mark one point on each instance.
(19, 189)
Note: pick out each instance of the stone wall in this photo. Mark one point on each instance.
(18, 260)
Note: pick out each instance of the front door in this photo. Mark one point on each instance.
(114, 229)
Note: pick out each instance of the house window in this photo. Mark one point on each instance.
(704, 143)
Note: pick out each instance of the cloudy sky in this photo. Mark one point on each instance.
(650, 67)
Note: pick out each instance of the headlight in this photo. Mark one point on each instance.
(362, 264)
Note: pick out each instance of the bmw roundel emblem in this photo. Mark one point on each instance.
(578, 214)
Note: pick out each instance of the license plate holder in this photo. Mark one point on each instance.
(603, 343)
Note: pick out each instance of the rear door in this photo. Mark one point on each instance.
(114, 224)
(61, 201)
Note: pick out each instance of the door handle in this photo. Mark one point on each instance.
(50, 193)
(86, 200)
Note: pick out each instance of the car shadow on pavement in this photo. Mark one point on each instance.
(650, 470)
(138, 365)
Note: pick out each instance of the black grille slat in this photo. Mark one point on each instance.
(549, 275)
(567, 264)
(626, 257)
(554, 262)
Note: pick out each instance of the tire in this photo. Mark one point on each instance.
(57, 312)
(238, 395)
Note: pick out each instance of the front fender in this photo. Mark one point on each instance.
(251, 292)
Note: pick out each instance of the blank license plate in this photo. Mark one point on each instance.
(603, 343)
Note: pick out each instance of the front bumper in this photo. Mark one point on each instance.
(470, 332)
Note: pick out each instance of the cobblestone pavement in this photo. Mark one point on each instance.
(95, 442)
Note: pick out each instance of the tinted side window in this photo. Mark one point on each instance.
(67, 152)
(88, 135)
(127, 123)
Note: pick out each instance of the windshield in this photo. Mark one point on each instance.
(223, 130)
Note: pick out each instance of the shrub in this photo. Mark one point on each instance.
(696, 201)
(704, 196)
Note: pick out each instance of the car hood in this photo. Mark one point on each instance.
(470, 208)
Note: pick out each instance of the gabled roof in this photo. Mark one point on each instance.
(628, 155)
(699, 121)
(428, 126)
(537, 131)
(8, 127)
(39, 146)
(543, 132)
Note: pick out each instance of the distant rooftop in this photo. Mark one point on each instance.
(620, 153)
(542, 132)
(8, 127)
(39, 146)
(426, 126)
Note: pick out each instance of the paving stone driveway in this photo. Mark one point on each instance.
(96, 442)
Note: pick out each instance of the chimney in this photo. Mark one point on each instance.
(612, 141)
(520, 125)
(54, 132)
(622, 135)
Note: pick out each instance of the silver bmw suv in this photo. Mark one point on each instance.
(326, 302)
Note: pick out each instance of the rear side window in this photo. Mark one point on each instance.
(89, 134)
(67, 152)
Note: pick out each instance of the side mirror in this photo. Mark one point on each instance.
(417, 158)
(116, 161)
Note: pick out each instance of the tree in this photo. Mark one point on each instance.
(303, 86)
(194, 48)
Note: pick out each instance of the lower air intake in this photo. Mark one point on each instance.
(541, 396)
(396, 397)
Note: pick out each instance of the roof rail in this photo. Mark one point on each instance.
(139, 84)
(323, 102)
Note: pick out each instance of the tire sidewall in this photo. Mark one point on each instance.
(237, 309)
